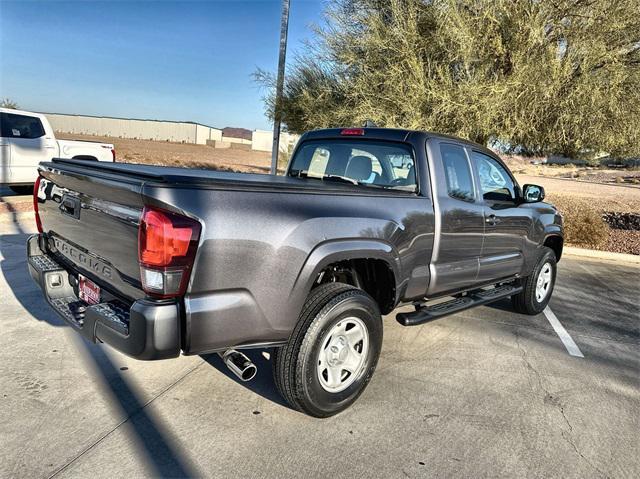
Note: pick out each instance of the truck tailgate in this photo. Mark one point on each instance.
(90, 218)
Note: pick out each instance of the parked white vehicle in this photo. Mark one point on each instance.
(27, 139)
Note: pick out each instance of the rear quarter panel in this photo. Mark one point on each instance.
(260, 251)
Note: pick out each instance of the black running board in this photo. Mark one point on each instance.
(473, 299)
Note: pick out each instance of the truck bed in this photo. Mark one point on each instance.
(200, 177)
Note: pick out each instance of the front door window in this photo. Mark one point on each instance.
(495, 182)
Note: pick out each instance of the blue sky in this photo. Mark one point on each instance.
(153, 59)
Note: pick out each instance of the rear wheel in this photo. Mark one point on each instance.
(537, 287)
(332, 352)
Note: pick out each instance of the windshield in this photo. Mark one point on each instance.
(377, 164)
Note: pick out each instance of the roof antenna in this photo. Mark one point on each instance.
(369, 124)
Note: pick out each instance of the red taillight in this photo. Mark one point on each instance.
(352, 132)
(167, 244)
(164, 238)
(113, 154)
(36, 189)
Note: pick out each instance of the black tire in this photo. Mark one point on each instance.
(526, 302)
(22, 189)
(294, 365)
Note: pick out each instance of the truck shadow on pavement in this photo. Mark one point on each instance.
(262, 384)
(164, 457)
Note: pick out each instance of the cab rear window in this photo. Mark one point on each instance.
(376, 164)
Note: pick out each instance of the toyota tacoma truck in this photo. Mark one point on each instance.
(26, 139)
(158, 261)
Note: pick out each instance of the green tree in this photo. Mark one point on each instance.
(559, 76)
(8, 103)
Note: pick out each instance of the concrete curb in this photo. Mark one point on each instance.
(595, 254)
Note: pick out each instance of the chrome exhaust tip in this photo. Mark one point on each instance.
(239, 364)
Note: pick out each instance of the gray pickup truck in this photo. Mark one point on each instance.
(156, 261)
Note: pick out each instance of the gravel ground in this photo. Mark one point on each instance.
(622, 176)
(622, 241)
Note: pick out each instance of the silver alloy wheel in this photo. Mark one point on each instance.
(343, 354)
(543, 285)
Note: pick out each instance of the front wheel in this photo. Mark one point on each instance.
(538, 286)
(332, 352)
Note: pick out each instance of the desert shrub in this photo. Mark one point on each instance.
(583, 220)
(583, 226)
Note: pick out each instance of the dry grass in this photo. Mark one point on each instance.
(583, 225)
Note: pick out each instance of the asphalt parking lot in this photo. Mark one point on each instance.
(484, 393)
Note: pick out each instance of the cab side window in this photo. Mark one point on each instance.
(457, 172)
(20, 126)
(495, 182)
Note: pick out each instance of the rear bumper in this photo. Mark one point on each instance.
(144, 330)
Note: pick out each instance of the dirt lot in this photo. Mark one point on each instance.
(621, 176)
(582, 173)
(182, 154)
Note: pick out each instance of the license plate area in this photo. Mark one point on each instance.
(88, 291)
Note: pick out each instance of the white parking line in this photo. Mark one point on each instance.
(569, 343)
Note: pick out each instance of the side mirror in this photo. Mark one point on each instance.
(532, 193)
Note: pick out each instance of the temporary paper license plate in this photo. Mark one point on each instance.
(89, 291)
